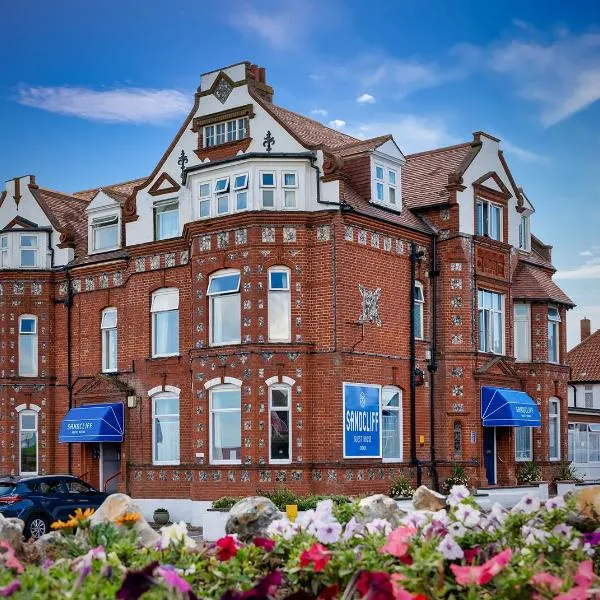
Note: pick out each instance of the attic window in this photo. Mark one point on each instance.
(524, 234)
(227, 131)
(105, 233)
(385, 186)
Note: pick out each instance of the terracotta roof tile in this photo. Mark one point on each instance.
(425, 175)
(531, 283)
(584, 359)
(124, 189)
(360, 146)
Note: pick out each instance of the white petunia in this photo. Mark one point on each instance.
(449, 549)
(562, 530)
(282, 527)
(415, 518)
(457, 494)
(324, 510)
(467, 515)
(175, 534)
(556, 503)
(456, 529)
(527, 505)
(379, 526)
(353, 528)
(328, 533)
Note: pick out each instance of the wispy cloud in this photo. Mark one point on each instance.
(590, 269)
(118, 105)
(321, 112)
(523, 154)
(586, 253)
(337, 123)
(366, 99)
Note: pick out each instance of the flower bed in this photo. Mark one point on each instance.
(462, 552)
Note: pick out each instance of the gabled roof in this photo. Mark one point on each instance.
(122, 190)
(584, 359)
(535, 284)
(425, 175)
(362, 146)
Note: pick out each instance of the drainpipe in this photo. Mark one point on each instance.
(68, 304)
(414, 257)
(432, 367)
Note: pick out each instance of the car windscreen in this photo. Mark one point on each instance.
(7, 488)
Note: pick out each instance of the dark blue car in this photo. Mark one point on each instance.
(42, 499)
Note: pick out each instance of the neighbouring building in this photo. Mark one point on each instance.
(279, 303)
(584, 403)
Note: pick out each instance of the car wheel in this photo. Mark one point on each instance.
(36, 527)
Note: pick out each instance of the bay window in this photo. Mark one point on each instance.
(290, 183)
(553, 334)
(204, 201)
(279, 305)
(522, 332)
(280, 430)
(108, 327)
(523, 444)
(267, 189)
(491, 321)
(489, 219)
(165, 429)
(166, 219)
(165, 322)
(418, 304)
(28, 442)
(224, 306)
(4, 260)
(28, 247)
(104, 233)
(391, 423)
(240, 189)
(554, 429)
(225, 425)
(584, 442)
(28, 346)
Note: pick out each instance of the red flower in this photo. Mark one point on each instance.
(484, 573)
(397, 541)
(375, 585)
(329, 593)
(318, 555)
(471, 554)
(265, 543)
(226, 548)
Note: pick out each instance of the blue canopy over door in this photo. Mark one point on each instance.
(93, 423)
(501, 407)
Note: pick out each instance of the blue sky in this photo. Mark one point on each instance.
(92, 93)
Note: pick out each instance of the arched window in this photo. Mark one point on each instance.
(457, 439)
(280, 328)
(28, 442)
(165, 428)
(554, 429)
(280, 424)
(28, 346)
(419, 302)
(224, 298)
(108, 327)
(225, 425)
(392, 423)
(165, 322)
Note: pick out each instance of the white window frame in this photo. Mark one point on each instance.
(34, 414)
(211, 295)
(212, 411)
(288, 390)
(105, 342)
(276, 291)
(290, 189)
(240, 190)
(204, 199)
(224, 189)
(490, 312)
(524, 233)
(421, 303)
(392, 186)
(529, 457)
(34, 335)
(161, 204)
(4, 251)
(554, 323)
(526, 321)
(379, 181)
(103, 220)
(588, 389)
(393, 390)
(221, 133)
(165, 396)
(556, 417)
(35, 249)
(484, 230)
(265, 187)
(173, 303)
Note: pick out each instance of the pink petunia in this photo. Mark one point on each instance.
(399, 592)
(547, 581)
(317, 555)
(585, 574)
(576, 593)
(173, 579)
(484, 573)
(8, 557)
(398, 541)
(266, 544)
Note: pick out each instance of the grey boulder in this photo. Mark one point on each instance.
(426, 499)
(250, 517)
(379, 506)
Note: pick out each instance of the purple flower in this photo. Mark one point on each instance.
(593, 539)
(173, 579)
(137, 583)
(47, 564)
(10, 589)
(265, 588)
(328, 533)
(449, 549)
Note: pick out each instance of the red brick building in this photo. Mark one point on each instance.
(225, 300)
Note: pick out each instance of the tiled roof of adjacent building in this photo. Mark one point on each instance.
(360, 146)
(118, 190)
(532, 283)
(584, 359)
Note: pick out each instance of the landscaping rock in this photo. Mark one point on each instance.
(115, 506)
(380, 506)
(54, 545)
(11, 530)
(250, 517)
(587, 516)
(426, 499)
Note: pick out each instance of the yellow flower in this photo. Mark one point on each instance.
(65, 525)
(81, 515)
(128, 519)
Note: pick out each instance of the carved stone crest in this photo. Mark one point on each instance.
(370, 305)
(222, 90)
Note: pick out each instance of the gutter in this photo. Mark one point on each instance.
(433, 366)
(68, 304)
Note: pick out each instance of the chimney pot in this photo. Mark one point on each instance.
(586, 328)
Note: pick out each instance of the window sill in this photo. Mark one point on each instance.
(236, 343)
(280, 462)
(91, 252)
(163, 356)
(165, 463)
(27, 375)
(225, 462)
(391, 460)
(392, 207)
(523, 460)
(110, 371)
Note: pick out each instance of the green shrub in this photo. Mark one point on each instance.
(566, 472)
(224, 503)
(402, 488)
(280, 497)
(528, 472)
(458, 476)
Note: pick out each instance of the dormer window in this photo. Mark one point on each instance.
(105, 233)
(228, 131)
(28, 245)
(385, 186)
(489, 219)
(4, 260)
(524, 233)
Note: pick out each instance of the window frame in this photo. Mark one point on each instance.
(268, 188)
(105, 340)
(421, 303)
(554, 324)
(161, 204)
(554, 401)
(588, 389)
(212, 133)
(279, 291)
(288, 389)
(457, 436)
(211, 412)
(156, 294)
(204, 199)
(491, 311)
(527, 322)
(4, 251)
(212, 295)
(525, 233)
(291, 189)
(166, 396)
(392, 186)
(225, 190)
(100, 221)
(399, 411)
(484, 231)
(29, 413)
(35, 348)
(35, 249)
(529, 458)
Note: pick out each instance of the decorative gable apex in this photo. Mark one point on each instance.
(497, 367)
(20, 222)
(104, 386)
(492, 182)
(165, 184)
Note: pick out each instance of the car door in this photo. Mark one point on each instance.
(52, 497)
(82, 495)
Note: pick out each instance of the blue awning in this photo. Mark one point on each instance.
(93, 423)
(502, 407)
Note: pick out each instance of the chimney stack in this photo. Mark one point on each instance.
(586, 328)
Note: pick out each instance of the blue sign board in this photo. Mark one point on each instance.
(362, 420)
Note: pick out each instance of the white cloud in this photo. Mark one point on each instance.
(523, 154)
(586, 253)
(587, 271)
(337, 123)
(118, 105)
(365, 99)
(319, 111)
(316, 77)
